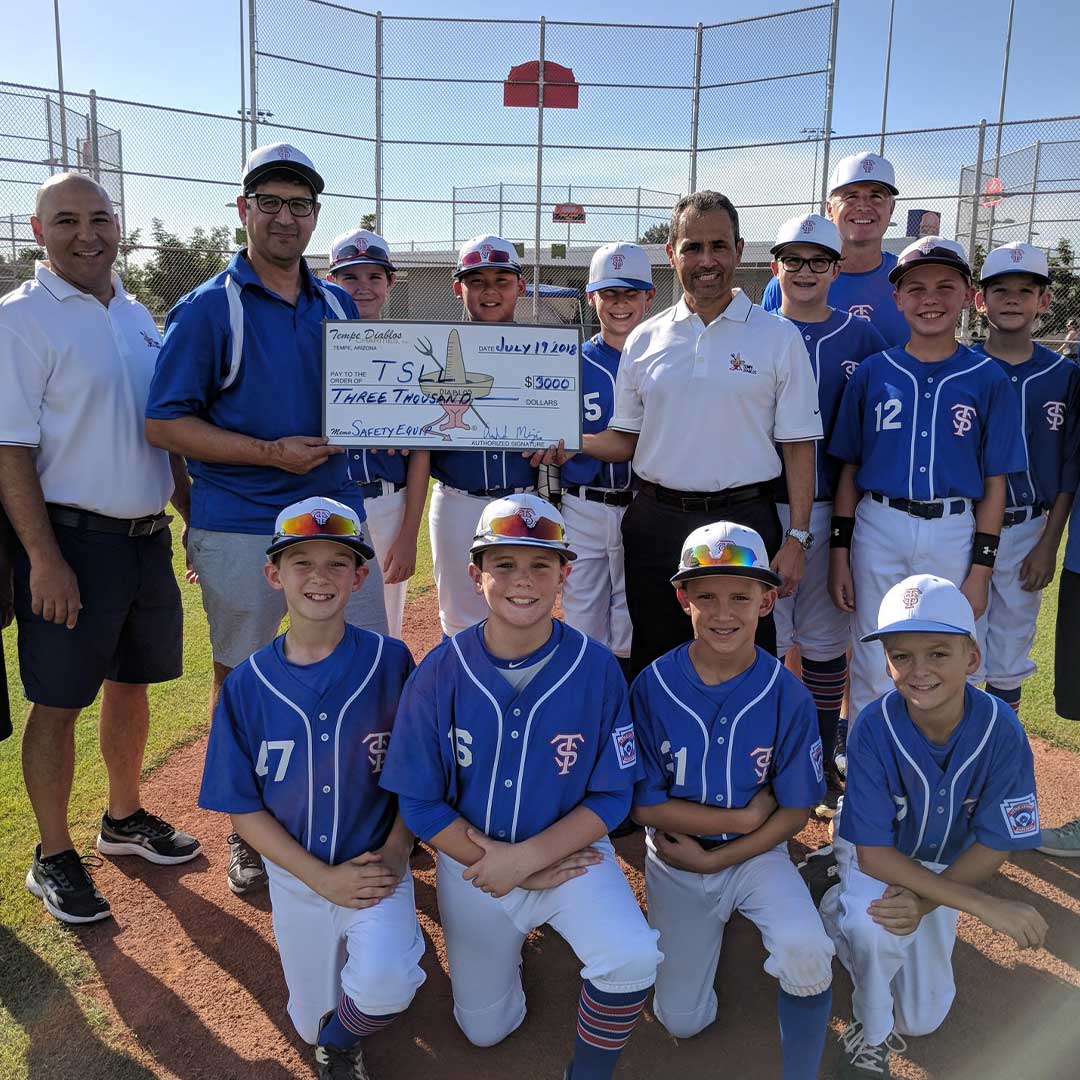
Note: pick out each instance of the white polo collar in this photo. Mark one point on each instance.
(737, 311)
(57, 287)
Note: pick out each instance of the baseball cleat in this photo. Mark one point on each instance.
(246, 871)
(860, 1059)
(147, 836)
(820, 872)
(64, 885)
(335, 1063)
(834, 788)
(1063, 842)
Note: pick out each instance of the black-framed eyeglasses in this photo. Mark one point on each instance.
(272, 204)
(819, 264)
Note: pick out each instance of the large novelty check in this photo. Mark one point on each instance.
(451, 386)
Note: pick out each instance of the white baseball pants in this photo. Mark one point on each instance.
(594, 596)
(372, 955)
(691, 910)
(810, 619)
(595, 913)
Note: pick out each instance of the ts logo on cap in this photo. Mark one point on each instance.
(284, 153)
(485, 250)
(321, 516)
(1017, 255)
(807, 226)
(617, 260)
(528, 515)
(361, 244)
(868, 165)
(911, 598)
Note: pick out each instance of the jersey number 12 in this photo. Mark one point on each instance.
(887, 413)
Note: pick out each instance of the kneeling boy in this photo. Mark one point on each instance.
(940, 788)
(733, 763)
(296, 748)
(514, 756)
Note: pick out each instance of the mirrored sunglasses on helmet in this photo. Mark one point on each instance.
(516, 527)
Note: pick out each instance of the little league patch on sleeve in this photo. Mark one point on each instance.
(1021, 816)
(815, 760)
(625, 746)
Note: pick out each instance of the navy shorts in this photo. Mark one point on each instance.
(130, 628)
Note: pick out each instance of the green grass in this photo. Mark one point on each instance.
(40, 962)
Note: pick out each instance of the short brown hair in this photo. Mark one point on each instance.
(702, 202)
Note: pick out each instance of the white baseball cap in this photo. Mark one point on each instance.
(522, 519)
(280, 157)
(619, 266)
(931, 251)
(924, 604)
(863, 167)
(487, 250)
(808, 229)
(1015, 258)
(360, 246)
(725, 548)
(319, 518)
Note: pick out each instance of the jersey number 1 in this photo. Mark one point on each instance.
(887, 413)
(285, 748)
(679, 757)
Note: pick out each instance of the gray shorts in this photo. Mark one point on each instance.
(244, 612)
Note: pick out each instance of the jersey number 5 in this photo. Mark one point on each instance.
(887, 413)
(285, 748)
(592, 405)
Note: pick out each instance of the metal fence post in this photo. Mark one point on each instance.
(60, 86)
(95, 155)
(49, 135)
(1034, 190)
(123, 201)
(378, 121)
(251, 76)
(453, 218)
(885, 91)
(965, 320)
(830, 88)
(539, 171)
(500, 208)
(243, 93)
(695, 109)
(11, 225)
(637, 217)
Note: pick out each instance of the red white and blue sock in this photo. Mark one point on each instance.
(826, 680)
(350, 1024)
(605, 1023)
(1011, 697)
(803, 1023)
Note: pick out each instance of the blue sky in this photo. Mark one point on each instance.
(946, 69)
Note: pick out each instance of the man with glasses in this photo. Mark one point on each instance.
(862, 198)
(238, 392)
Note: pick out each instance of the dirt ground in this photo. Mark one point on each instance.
(190, 975)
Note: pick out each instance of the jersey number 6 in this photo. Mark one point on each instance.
(285, 748)
(887, 413)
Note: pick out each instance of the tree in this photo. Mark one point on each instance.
(176, 266)
(368, 222)
(1065, 285)
(655, 234)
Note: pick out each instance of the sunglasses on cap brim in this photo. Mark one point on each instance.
(494, 257)
(305, 525)
(372, 252)
(515, 527)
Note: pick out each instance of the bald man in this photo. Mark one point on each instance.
(95, 597)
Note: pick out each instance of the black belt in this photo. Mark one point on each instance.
(498, 493)
(607, 496)
(705, 502)
(926, 510)
(74, 518)
(1022, 513)
(375, 488)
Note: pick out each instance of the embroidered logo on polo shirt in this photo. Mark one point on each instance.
(1021, 816)
(739, 364)
(153, 343)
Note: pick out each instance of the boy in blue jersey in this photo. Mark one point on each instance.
(806, 260)
(394, 486)
(595, 494)
(927, 434)
(488, 280)
(1014, 290)
(296, 747)
(513, 756)
(732, 760)
(861, 202)
(940, 788)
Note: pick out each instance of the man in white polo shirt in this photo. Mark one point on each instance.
(95, 598)
(705, 392)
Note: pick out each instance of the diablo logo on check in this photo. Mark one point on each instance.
(1021, 816)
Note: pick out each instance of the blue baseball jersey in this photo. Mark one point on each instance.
(511, 764)
(868, 295)
(931, 802)
(309, 745)
(720, 745)
(482, 470)
(836, 346)
(927, 431)
(365, 467)
(1044, 385)
(242, 358)
(599, 367)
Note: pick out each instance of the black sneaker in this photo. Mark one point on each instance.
(820, 872)
(840, 751)
(859, 1059)
(148, 836)
(337, 1064)
(246, 870)
(834, 788)
(65, 886)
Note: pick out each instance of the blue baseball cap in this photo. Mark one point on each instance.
(619, 266)
(924, 604)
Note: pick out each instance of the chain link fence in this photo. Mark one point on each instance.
(407, 118)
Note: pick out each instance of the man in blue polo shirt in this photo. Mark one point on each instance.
(237, 391)
(862, 197)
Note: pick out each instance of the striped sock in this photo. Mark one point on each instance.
(605, 1024)
(826, 679)
(1010, 697)
(349, 1025)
